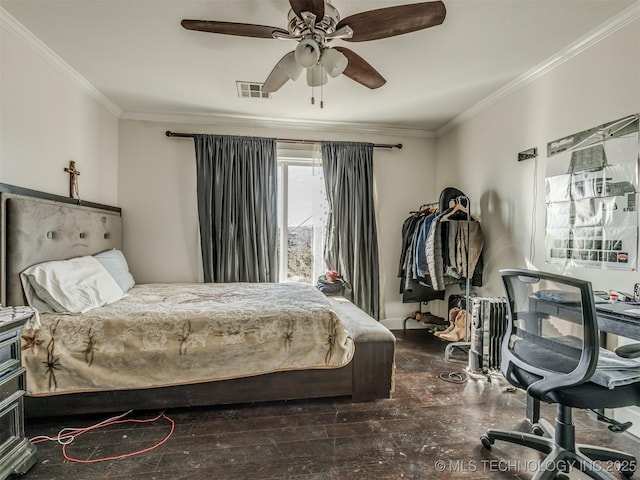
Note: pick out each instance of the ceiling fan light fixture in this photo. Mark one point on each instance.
(307, 53)
(334, 62)
(286, 69)
(317, 76)
(315, 23)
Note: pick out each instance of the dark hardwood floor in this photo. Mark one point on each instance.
(430, 429)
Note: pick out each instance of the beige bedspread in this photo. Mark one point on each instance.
(169, 334)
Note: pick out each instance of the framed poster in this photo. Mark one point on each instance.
(591, 197)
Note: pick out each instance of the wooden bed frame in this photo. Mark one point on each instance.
(37, 227)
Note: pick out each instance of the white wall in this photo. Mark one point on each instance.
(46, 120)
(157, 192)
(480, 156)
(599, 85)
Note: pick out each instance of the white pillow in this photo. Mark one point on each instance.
(76, 285)
(116, 264)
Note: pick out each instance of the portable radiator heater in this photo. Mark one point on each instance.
(488, 325)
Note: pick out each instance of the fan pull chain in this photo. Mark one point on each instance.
(313, 96)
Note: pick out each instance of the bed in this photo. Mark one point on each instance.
(353, 355)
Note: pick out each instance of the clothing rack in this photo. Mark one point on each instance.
(453, 206)
(169, 133)
(466, 343)
(425, 207)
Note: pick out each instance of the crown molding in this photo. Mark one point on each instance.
(615, 23)
(13, 26)
(19, 31)
(266, 122)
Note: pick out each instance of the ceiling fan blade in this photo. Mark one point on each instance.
(360, 71)
(231, 28)
(314, 6)
(274, 81)
(286, 69)
(392, 21)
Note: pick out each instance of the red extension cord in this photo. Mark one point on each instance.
(67, 435)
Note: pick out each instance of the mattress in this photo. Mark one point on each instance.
(173, 334)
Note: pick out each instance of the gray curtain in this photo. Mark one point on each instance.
(351, 245)
(237, 207)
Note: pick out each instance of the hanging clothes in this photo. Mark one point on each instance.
(421, 266)
(461, 242)
(439, 245)
(471, 246)
(414, 284)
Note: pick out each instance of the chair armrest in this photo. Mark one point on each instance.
(629, 351)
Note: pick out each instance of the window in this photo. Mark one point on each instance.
(302, 213)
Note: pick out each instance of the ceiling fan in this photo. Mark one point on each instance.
(315, 24)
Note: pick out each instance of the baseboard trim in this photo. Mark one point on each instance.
(398, 324)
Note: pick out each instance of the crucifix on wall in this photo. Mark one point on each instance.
(73, 180)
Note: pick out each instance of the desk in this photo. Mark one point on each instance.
(619, 325)
(607, 323)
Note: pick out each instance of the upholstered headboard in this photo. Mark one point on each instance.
(35, 229)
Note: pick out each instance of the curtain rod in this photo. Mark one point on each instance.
(169, 133)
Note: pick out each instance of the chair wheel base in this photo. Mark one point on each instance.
(487, 441)
(627, 473)
(537, 430)
(561, 458)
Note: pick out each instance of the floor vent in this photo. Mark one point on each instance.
(251, 90)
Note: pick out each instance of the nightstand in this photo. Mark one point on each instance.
(17, 454)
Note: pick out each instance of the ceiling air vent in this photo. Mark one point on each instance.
(251, 90)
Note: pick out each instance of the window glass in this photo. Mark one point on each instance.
(302, 214)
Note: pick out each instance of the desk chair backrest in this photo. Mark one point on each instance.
(552, 331)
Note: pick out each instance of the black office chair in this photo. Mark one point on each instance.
(551, 349)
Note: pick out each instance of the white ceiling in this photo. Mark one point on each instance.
(136, 53)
